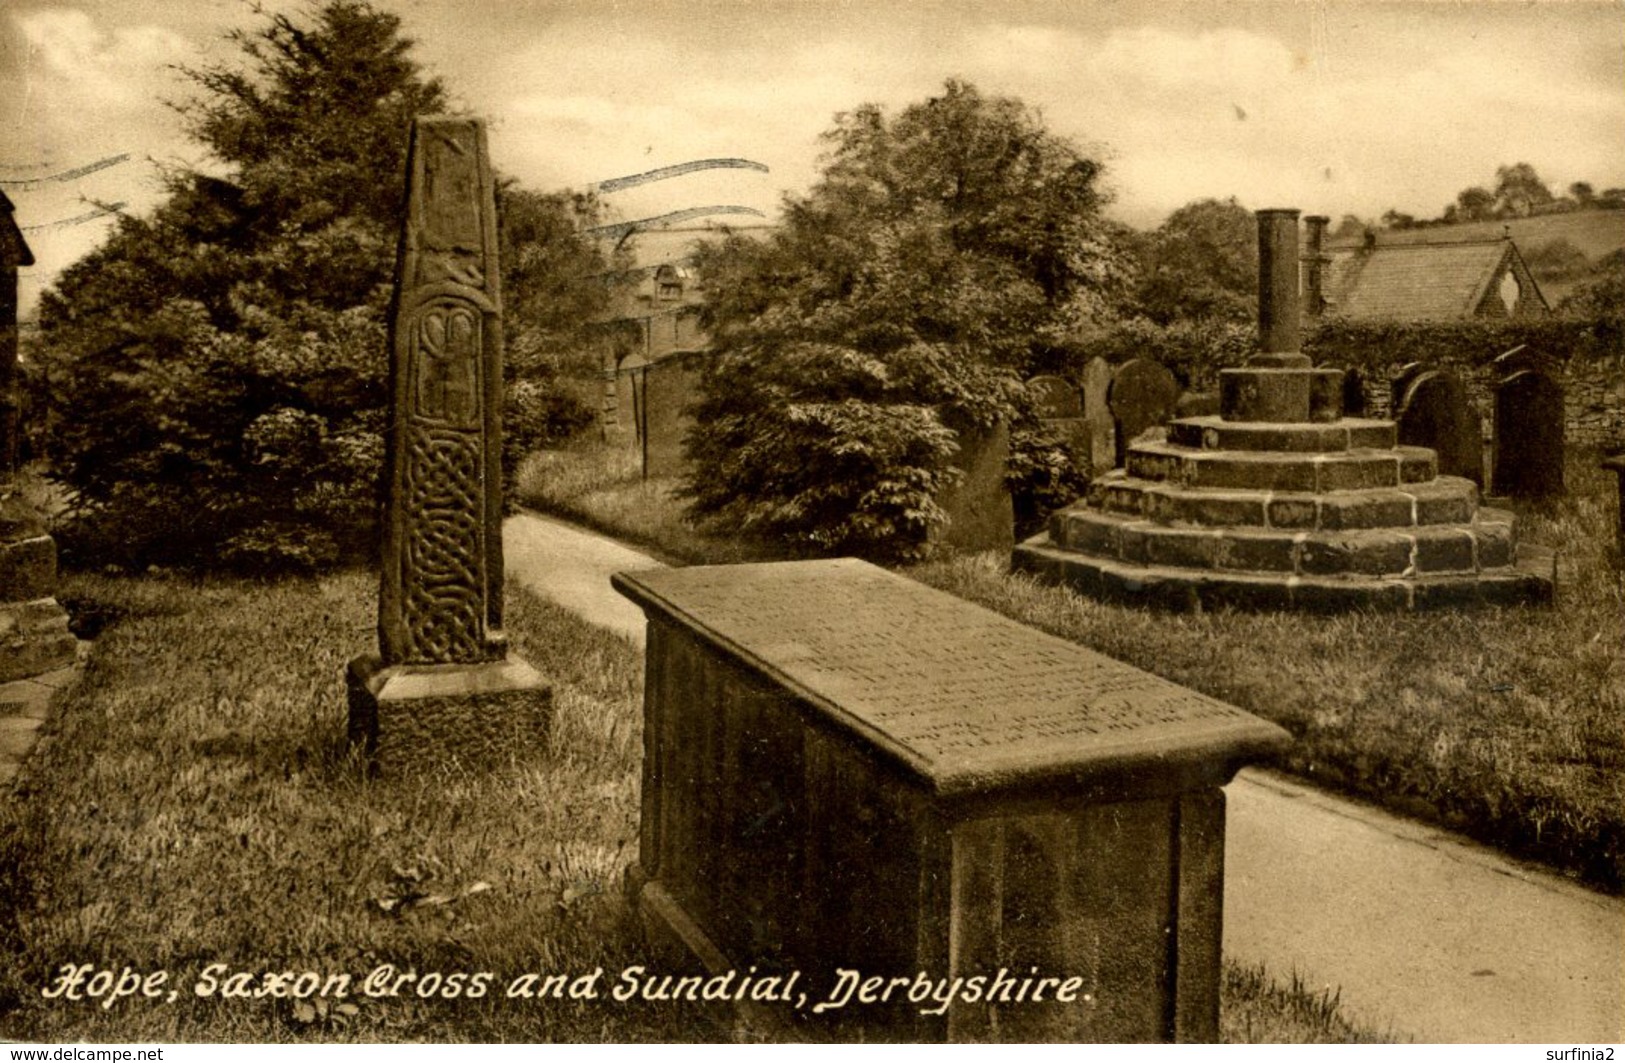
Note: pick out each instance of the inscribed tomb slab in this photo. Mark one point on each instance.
(965, 697)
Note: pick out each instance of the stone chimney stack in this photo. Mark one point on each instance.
(1314, 300)
(1278, 290)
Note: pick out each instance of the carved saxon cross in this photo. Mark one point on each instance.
(443, 687)
(441, 601)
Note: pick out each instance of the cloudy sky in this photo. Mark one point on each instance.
(1333, 106)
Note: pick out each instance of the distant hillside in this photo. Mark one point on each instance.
(1595, 232)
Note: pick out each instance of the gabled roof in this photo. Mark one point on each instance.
(1413, 282)
(13, 248)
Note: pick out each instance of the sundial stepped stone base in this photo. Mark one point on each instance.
(1282, 502)
(444, 688)
(846, 770)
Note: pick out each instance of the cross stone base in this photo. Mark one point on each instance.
(410, 718)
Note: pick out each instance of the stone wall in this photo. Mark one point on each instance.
(1593, 395)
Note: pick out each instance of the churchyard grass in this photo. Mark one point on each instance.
(600, 486)
(197, 804)
(1500, 723)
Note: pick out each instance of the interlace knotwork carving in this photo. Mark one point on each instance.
(443, 568)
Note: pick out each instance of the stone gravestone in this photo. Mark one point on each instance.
(1529, 423)
(444, 687)
(1095, 385)
(1060, 408)
(34, 636)
(846, 769)
(1435, 412)
(1143, 395)
(981, 513)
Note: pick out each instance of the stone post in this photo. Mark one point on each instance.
(1314, 299)
(1278, 290)
(1279, 385)
(444, 687)
(34, 636)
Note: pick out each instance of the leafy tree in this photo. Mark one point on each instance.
(1201, 262)
(1472, 204)
(219, 366)
(556, 288)
(942, 250)
(1582, 193)
(1519, 190)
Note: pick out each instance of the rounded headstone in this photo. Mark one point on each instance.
(1529, 425)
(1143, 395)
(1436, 413)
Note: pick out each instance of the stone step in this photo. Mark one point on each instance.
(1349, 433)
(1281, 470)
(1487, 542)
(1526, 581)
(1446, 500)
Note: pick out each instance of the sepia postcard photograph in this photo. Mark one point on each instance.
(545, 521)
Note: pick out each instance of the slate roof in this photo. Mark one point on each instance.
(1412, 282)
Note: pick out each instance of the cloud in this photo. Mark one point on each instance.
(118, 67)
(78, 91)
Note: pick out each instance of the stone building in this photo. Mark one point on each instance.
(658, 359)
(1411, 281)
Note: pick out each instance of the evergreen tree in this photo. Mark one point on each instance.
(218, 368)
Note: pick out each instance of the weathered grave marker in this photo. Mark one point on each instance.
(1435, 412)
(846, 769)
(1060, 408)
(34, 636)
(1095, 385)
(981, 513)
(1529, 425)
(444, 686)
(1143, 395)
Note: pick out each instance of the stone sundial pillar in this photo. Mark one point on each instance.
(444, 686)
(34, 636)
